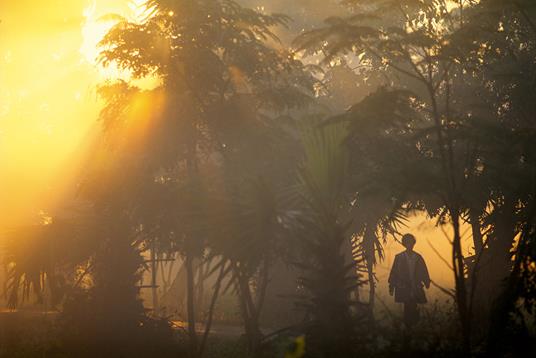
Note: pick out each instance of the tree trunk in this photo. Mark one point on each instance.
(502, 242)
(369, 247)
(210, 313)
(446, 150)
(506, 302)
(192, 168)
(372, 288)
(190, 304)
(458, 264)
(478, 241)
(249, 315)
(154, 271)
(264, 278)
(201, 275)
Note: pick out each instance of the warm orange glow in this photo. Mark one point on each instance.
(95, 26)
(49, 108)
(93, 30)
(48, 100)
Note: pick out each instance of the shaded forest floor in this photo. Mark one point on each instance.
(34, 334)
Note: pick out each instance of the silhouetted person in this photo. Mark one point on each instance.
(408, 276)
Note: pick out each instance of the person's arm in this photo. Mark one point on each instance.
(426, 275)
(392, 276)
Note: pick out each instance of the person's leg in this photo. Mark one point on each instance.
(406, 314)
(411, 314)
(417, 314)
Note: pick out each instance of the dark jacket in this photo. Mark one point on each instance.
(399, 279)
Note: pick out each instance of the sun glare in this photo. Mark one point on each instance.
(95, 27)
(47, 117)
(93, 32)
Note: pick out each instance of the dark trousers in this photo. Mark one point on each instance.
(411, 314)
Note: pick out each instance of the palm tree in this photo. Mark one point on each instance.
(44, 259)
(322, 232)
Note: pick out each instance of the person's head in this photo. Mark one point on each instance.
(408, 241)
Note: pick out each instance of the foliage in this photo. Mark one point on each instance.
(327, 279)
(44, 259)
(221, 74)
(113, 316)
(212, 165)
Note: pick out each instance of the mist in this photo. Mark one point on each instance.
(267, 178)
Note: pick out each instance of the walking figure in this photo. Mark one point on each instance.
(408, 276)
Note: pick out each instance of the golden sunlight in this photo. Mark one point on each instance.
(93, 31)
(98, 20)
(311, 178)
(48, 101)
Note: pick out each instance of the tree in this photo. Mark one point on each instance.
(502, 49)
(389, 175)
(415, 50)
(217, 70)
(43, 259)
(322, 232)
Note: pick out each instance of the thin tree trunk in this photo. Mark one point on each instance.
(210, 313)
(250, 315)
(459, 279)
(478, 241)
(505, 304)
(446, 151)
(190, 299)
(192, 168)
(253, 322)
(154, 272)
(261, 290)
(369, 257)
(473, 274)
(372, 287)
(200, 289)
(504, 234)
(245, 311)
